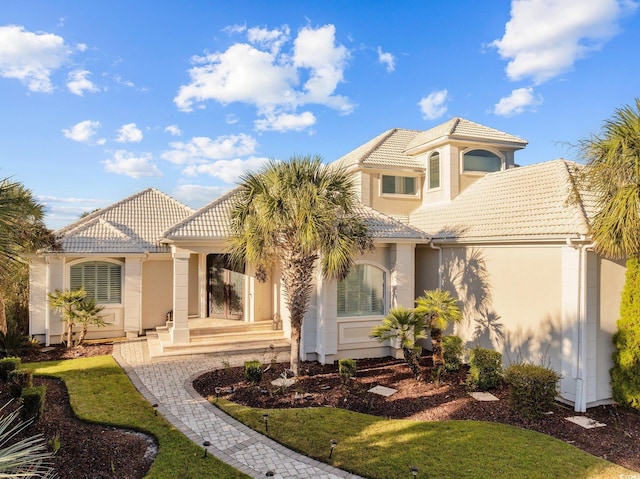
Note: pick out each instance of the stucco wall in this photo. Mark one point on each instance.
(157, 292)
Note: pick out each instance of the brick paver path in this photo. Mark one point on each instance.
(167, 382)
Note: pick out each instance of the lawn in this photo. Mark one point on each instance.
(100, 392)
(380, 448)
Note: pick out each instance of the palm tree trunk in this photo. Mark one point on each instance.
(436, 344)
(412, 362)
(295, 349)
(3, 315)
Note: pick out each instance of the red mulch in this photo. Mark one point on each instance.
(320, 385)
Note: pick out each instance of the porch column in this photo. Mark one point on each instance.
(180, 329)
(403, 275)
(132, 297)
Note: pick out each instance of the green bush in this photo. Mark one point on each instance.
(19, 379)
(7, 365)
(12, 342)
(33, 402)
(452, 349)
(485, 369)
(253, 371)
(532, 389)
(625, 374)
(346, 369)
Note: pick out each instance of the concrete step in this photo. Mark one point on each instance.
(226, 328)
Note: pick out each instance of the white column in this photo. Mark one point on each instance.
(403, 275)
(180, 329)
(132, 297)
(570, 322)
(203, 307)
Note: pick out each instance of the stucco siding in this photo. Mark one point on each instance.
(157, 292)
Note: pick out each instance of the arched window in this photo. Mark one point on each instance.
(362, 292)
(101, 280)
(434, 171)
(481, 160)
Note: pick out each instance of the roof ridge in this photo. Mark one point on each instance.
(374, 147)
(391, 218)
(455, 121)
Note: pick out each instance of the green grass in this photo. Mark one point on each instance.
(383, 448)
(100, 392)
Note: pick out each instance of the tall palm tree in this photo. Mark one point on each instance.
(405, 326)
(298, 213)
(22, 231)
(438, 308)
(612, 174)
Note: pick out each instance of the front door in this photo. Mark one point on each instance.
(225, 286)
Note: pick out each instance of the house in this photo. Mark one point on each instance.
(447, 207)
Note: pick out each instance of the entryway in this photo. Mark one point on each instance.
(225, 287)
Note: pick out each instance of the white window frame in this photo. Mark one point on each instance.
(385, 292)
(415, 194)
(100, 260)
(502, 157)
(428, 175)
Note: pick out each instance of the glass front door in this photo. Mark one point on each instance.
(225, 287)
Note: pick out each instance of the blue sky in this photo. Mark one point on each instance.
(102, 99)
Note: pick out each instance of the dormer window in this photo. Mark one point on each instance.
(434, 171)
(398, 185)
(481, 161)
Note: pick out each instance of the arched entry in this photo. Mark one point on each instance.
(225, 287)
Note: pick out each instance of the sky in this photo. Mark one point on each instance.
(102, 99)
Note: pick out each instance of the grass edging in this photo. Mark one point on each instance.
(100, 392)
(380, 448)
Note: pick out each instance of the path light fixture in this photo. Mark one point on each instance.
(155, 409)
(333, 444)
(218, 390)
(206, 444)
(265, 418)
(414, 471)
(270, 474)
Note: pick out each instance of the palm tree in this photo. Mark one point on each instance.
(405, 326)
(298, 213)
(88, 314)
(612, 174)
(68, 304)
(22, 231)
(438, 308)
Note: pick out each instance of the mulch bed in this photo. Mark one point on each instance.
(320, 385)
(87, 451)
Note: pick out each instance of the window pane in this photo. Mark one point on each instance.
(409, 186)
(482, 160)
(388, 184)
(362, 292)
(398, 185)
(101, 280)
(434, 171)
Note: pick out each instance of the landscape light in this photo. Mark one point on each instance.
(333, 444)
(265, 418)
(414, 471)
(206, 444)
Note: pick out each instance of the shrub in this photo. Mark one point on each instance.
(485, 369)
(625, 374)
(532, 389)
(33, 402)
(18, 379)
(253, 371)
(346, 369)
(7, 365)
(452, 348)
(12, 342)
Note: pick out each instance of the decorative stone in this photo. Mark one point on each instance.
(483, 396)
(383, 391)
(283, 382)
(585, 422)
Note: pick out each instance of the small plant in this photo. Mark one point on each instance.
(18, 379)
(453, 350)
(7, 365)
(346, 369)
(54, 443)
(532, 389)
(12, 342)
(485, 369)
(33, 402)
(253, 371)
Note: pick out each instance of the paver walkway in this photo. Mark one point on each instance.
(167, 382)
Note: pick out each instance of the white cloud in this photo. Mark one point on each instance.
(433, 105)
(173, 130)
(517, 102)
(387, 59)
(229, 171)
(78, 83)
(83, 131)
(544, 38)
(129, 133)
(60, 211)
(131, 164)
(286, 122)
(31, 57)
(198, 195)
(258, 74)
(202, 149)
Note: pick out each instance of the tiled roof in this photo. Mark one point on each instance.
(211, 222)
(385, 150)
(133, 225)
(520, 203)
(461, 129)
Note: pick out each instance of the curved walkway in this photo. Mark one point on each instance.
(167, 382)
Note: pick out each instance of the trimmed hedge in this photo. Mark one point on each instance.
(346, 369)
(19, 379)
(532, 389)
(253, 371)
(453, 350)
(485, 369)
(7, 365)
(33, 402)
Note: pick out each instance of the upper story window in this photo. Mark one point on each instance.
(362, 292)
(398, 185)
(481, 160)
(100, 279)
(434, 171)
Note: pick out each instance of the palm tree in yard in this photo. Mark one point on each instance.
(300, 213)
(612, 175)
(438, 308)
(405, 326)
